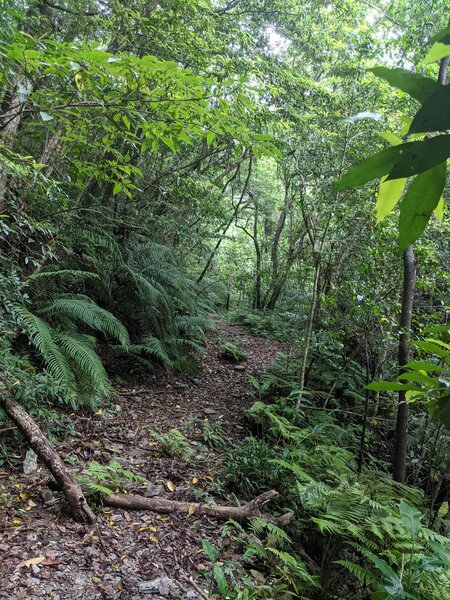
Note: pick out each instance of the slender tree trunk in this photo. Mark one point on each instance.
(409, 280)
(228, 225)
(258, 261)
(312, 313)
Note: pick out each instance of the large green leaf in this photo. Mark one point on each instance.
(417, 157)
(434, 115)
(389, 194)
(399, 161)
(415, 85)
(410, 517)
(391, 386)
(372, 167)
(419, 202)
(441, 46)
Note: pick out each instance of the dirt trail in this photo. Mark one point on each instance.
(129, 550)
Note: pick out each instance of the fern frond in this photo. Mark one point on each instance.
(41, 337)
(88, 313)
(87, 366)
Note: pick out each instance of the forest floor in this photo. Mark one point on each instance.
(45, 554)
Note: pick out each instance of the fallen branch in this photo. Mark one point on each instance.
(163, 505)
(54, 463)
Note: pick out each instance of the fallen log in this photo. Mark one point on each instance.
(158, 504)
(54, 463)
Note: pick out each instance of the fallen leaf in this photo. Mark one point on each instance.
(33, 561)
(170, 486)
(194, 480)
(31, 504)
(17, 521)
(153, 538)
(149, 528)
(50, 563)
(192, 509)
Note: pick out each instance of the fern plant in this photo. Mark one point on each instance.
(53, 329)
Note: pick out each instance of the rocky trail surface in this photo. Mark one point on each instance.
(131, 555)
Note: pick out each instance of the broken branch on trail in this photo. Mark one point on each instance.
(163, 505)
(54, 463)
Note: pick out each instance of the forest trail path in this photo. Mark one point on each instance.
(131, 549)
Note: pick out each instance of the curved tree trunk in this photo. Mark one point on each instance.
(39, 443)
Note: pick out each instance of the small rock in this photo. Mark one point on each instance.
(162, 586)
(239, 368)
(196, 381)
(154, 490)
(29, 463)
(181, 386)
(118, 408)
(210, 411)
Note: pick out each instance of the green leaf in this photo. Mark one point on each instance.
(417, 157)
(415, 85)
(434, 115)
(403, 160)
(410, 517)
(439, 210)
(372, 167)
(390, 386)
(210, 550)
(391, 581)
(118, 187)
(390, 137)
(389, 194)
(441, 46)
(418, 378)
(424, 366)
(436, 52)
(419, 202)
(221, 581)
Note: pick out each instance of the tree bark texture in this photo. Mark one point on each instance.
(409, 280)
(163, 505)
(39, 443)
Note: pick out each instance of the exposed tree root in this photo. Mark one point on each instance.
(163, 505)
(39, 443)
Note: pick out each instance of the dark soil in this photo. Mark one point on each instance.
(45, 554)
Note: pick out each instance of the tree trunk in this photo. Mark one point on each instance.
(258, 262)
(39, 443)
(409, 280)
(163, 505)
(228, 225)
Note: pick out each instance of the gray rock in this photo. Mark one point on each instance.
(29, 463)
(161, 585)
(181, 386)
(210, 411)
(154, 490)
(239, 368)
